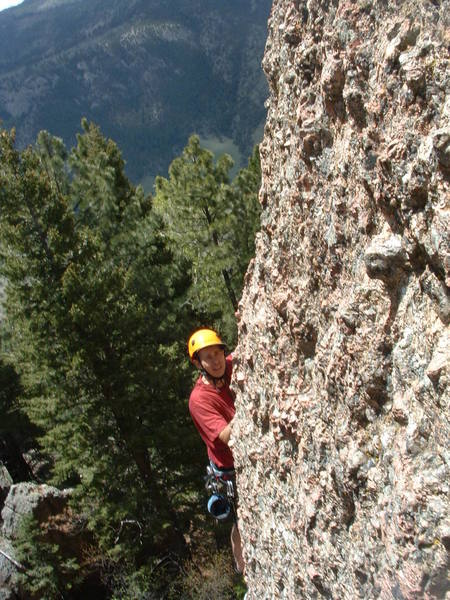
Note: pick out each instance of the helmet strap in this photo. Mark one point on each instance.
(209, 377)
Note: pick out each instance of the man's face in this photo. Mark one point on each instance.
(213, 360)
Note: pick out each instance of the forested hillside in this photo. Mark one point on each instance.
(149, 72)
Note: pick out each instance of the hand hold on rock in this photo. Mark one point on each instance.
(386, 258)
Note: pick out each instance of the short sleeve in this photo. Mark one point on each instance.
(207, 420)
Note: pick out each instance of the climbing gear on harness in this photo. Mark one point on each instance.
(202, 339)
(221, 472)
(219, 482)
(219, 507)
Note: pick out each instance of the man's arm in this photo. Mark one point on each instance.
(225, 434)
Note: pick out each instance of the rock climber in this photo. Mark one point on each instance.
(211, 405)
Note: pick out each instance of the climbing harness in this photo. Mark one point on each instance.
(220, 484)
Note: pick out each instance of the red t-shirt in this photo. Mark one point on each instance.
(211, 410)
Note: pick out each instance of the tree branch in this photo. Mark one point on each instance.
(14, 562)
(225, 272)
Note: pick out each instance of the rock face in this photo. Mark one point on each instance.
(5, 483)
(341, 438)
(42, 501)
(8, 571)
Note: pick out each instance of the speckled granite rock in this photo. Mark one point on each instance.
(40, 500)
(342, 432)
(8, 571)
(5, 484)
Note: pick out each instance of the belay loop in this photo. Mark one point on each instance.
(220, 485)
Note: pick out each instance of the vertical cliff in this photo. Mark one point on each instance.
(342, 433)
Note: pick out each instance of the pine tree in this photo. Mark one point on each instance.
(246, 211)
(211, 223)
(96, 331)
(16, 432)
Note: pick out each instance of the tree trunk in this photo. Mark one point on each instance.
(225, 272)
(141, 458)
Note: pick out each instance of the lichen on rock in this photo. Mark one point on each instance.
(342, 430)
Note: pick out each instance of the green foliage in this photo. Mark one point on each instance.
(103, 286)
(211, 223)
(47, 575)
(9, 392)
(95, 329)
(209, 577)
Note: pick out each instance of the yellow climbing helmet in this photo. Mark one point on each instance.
(202, 338)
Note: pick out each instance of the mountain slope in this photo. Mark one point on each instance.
(149, 72)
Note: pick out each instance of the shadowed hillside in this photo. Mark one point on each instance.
(148, 72)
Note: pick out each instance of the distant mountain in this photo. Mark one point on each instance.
(149, 72)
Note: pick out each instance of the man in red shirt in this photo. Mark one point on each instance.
(211, 405)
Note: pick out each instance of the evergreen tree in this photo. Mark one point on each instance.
(16, 432)
(96, 332)
(211, 223)
(48, 574)
(102, 292)
(246, 212)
